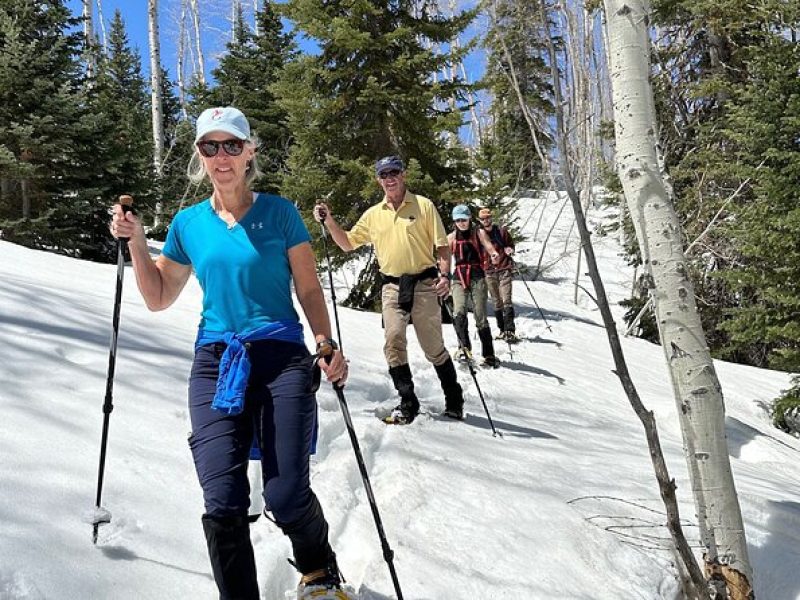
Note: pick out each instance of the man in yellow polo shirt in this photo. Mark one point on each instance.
(414, 260)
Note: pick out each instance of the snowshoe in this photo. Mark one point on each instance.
(324, 584)
(321, 592)
(399, 417)
(500, 336)
(463, 356)
(454, 413)
(511, 337)
(490, 362)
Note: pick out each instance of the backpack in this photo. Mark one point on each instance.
(469, 254)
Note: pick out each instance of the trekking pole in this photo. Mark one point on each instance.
(388, 553)
(472, 372)
(521, 276)
(102, 516)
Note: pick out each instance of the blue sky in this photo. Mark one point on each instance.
(216, 28)
(216, 31)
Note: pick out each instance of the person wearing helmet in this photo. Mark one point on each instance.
(471, 249)
(500, 275)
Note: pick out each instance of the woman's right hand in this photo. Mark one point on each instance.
(126, 225)
(337, 369)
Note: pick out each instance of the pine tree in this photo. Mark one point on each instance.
(697, 391)
(707, 56)
(174, 189)
(367, 94)
(763, 117)
(48, 134)
(245, 78)
(507, 157)
(121, 102)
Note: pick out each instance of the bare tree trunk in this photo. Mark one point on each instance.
(156, 100)
(201, 69)
(579, 117)
(181, 66)
(475, 121)
(89, 39)
(698, 393)
(256, 7)
(236, 10)
(665, 483)
(102, 22)
(526, 113)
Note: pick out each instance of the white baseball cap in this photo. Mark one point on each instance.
(223, 118)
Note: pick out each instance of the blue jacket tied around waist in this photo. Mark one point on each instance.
(234, 366)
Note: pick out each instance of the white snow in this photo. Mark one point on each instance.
(563, 506)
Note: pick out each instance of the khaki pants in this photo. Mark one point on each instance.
(499, 284)
(426, 316)
(476, 289)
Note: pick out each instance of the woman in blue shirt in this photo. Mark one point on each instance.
(251, 379)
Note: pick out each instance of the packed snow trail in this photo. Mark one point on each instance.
(563, 506)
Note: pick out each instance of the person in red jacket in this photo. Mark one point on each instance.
(471, 250)
(500, 275)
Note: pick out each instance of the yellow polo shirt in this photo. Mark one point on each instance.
(404, 239)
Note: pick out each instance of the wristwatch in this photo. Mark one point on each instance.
(327, 347)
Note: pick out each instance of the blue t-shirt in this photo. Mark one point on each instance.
(243, 270)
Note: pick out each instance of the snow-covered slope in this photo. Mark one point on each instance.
(562, 506)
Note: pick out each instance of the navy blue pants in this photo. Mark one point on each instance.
(280, 410)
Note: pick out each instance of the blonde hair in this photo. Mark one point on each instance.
(196, 170)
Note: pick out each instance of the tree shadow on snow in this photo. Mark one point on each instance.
(525, 368)
(540, 340)
(740, 434)
(121, 553)
(506, 428)
(552, 316)
(775, 561)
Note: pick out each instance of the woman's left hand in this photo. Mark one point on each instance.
(336, 369)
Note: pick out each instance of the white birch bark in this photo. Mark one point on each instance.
(697, 389)
(256, 7)
(181, 58)
(102, 21)
(155, 97)
(236, 9)
(665, 483)
(201, 68)
(89, 38)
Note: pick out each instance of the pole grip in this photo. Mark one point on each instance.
(126, 202)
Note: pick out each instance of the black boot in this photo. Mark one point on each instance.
(231, 555)
(489, 359)
(461, 326)
(453, 394)
(508, 315)
(328, 577)
(501, 324)
(409, 404)
(309, 538)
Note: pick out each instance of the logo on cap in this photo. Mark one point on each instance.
(217, 114)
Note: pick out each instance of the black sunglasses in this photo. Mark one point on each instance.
(209, 148)
(387, 174)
